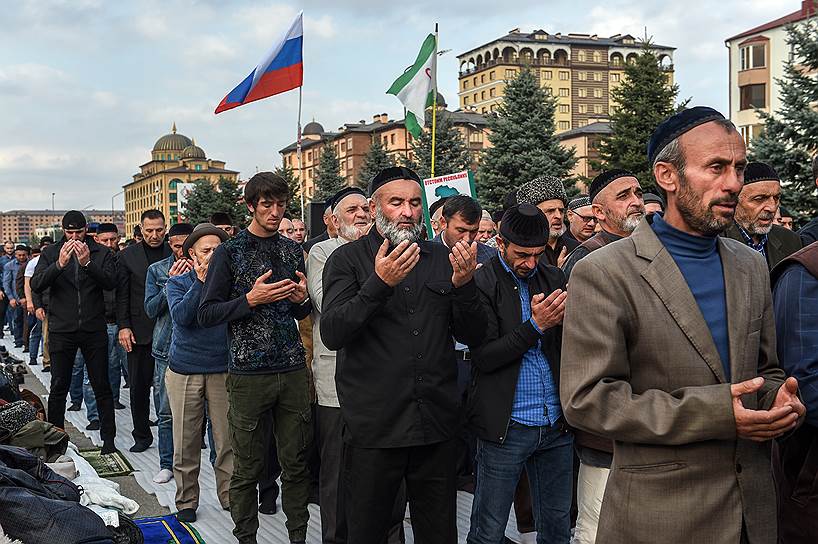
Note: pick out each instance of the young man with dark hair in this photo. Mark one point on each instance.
(255, 283)
(17, 300)
(135, 326)
(223, 221)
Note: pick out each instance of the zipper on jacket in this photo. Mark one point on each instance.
(79, 297)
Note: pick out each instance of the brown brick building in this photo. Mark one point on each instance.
(19, 225)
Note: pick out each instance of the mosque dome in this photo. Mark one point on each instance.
(193, 151)
(313, 128)
(172, 141)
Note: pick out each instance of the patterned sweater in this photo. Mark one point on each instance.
(264, 339)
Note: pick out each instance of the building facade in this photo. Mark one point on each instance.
(21, 225)
(352, 141)
(175, 160)
(756, 60)
(580, 70)
(585, 142)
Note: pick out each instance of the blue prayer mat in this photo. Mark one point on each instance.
(167, 530)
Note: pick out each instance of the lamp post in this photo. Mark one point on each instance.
(112, 202)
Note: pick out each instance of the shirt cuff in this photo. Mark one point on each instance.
(534, 324)
(375, 287)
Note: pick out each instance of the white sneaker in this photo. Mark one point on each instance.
(163, 476)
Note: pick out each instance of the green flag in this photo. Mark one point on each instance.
(415, 88)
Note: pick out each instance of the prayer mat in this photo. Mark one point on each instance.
(167, 530)
(107, 466)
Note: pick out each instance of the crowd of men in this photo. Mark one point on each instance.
(619, 367)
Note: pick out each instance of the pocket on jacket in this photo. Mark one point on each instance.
(438, 294)
(653, 468)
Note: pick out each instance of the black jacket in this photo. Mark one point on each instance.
(496, 362)
(809, 232)
(396, 371)
(132, 265)
(75, 293)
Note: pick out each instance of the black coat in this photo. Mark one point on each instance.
(496, 363)
(75, 292)
(130, 292)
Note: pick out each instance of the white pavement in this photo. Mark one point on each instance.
(213, 523)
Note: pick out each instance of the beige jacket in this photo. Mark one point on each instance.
(640, 367)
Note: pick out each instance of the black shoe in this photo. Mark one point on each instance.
(18, 345)
(93, 425)
(188, 515)
(298, 542)
(46, 369)
(75, 407)
(108, 447)
(154, 423)
(139, 447)
(268, 508)
(118, 405)
(126, 386)
(33, 363)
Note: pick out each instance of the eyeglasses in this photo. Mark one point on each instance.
(586, 219)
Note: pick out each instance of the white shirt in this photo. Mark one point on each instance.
(32, 264)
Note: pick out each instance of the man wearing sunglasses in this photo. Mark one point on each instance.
(581, 219)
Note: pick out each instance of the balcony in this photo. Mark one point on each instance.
(517, 61)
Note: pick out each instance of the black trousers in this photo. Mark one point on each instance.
(94, 348)
(140, 373)
(372, 482)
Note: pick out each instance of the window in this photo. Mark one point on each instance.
(597, 56)
(597, 93)
(615, 78)
(344, 145)
(547, 74)
(564, 108)
(482, 78)
(309, 156)
(483, 110)
(482, 95)
(465, 84)
(582, 122)
(583, 108)
(465, 100)
(582, 92)
(598, 108)
(349, 164)
(349, 144)
(564, 91)
(198, 167)
(563, 75)
(597, 76)
(616, 60)
(752, 56)
(491, 92)
(581, 56)
(753, 96)
(491, 75)
(392, 139)
(582, 76)
(474, 97)
(474, 81)
(564, 125)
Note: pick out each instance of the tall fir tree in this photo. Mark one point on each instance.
(524, 145)
(451, 153)
(205, 199)
(375, 160)
(640, 102)
(787, 141)
(294, 204)
(328, 180)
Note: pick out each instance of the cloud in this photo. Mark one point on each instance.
(27, 158)
(27, 78)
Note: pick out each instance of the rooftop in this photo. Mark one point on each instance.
(808, 9)
(591, 128)
(60, 212)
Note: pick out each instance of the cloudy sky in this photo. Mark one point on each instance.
(87, 86)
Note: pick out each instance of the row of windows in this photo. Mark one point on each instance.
(589, 76)
(591, 108)
(168, 157)
(582, 56)
(482, 80)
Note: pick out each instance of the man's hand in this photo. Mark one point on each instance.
(299, 293)
(394, 268)
(200, 266)
(30, 307)
(2, 295)
(265, 293)
(787, 395)
(126, 339)
(562, 256)
(548, 311)
(82, 252)
(179, 267)
(464, 262)
(22, 302)
(65, 254)
(12, 303)
(760, 425)
(40, 313)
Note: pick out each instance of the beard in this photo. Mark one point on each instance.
(351, 232)
(395, 234)
(700, 217)
(554, 234)
(625, 223)
(754, 228)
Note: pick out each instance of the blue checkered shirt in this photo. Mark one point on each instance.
(536, 400)
(761, 247)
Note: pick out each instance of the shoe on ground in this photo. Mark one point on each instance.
(33, 363)
(46, 369)
(298, 542)
(75, 407)
(163, 477)
(93, 425)
(154, 423)
(118, 405)
(126, 386)
(187, 515)
(139, 447)
(267, 507)
(108, 447)
(25, 350)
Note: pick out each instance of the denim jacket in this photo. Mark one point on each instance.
(156, 306)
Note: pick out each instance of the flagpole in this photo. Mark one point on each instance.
(434, 105)
(301, 182)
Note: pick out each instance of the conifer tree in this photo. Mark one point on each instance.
(375, 160)
(328, 180)
(294, 204)
(451, 153)
(205, 199)
(524, 145)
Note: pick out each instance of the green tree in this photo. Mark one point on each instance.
(328, 180)
(787, 141)
(524, 145)
(205, 199)
(375, 160)
(451, 153)
(642, 101)
(294, 204)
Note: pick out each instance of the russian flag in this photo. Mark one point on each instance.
(280, 70)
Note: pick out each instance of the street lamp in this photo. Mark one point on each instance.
(112, 201)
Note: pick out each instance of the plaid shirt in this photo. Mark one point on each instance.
(761, 247)
(536, 400)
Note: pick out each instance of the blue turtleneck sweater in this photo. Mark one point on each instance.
(698, 259)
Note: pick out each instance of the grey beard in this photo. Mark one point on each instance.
(631, 222)
(395, 234)
(754, 229)
(349, 232)
(554, 234)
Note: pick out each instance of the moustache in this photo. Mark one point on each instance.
(729, 199)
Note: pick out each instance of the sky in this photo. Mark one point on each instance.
(88, 86)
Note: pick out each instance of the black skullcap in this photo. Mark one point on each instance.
(50, 240)
(437, 204)
(22, 247)
(73, 220)
(221, 218)
(758, 171)
(93, 227)
(391, 174)
(509, 201)
(676, 125)
(342, 194)
(579, 202)
(524, 225)
(107, 227)
(650, 197)
(784, 212)
(606, 178)
(180, 229)
(497, 216)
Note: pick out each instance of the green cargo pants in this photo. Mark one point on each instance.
(250, 397)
